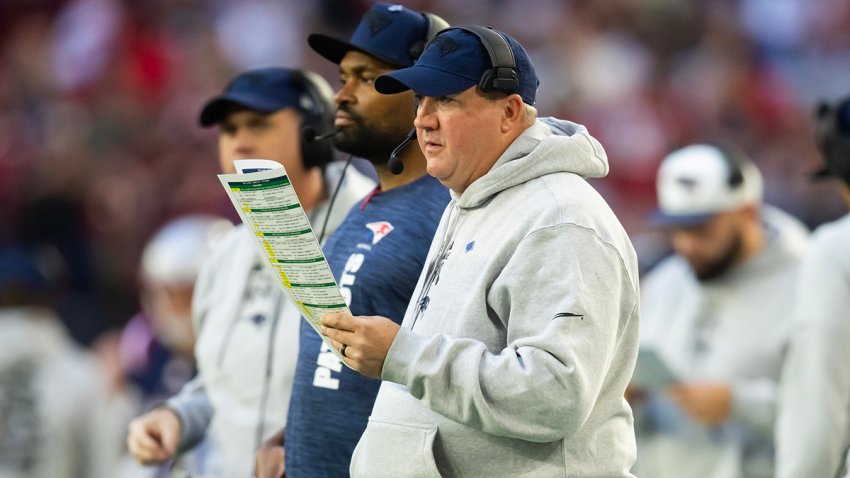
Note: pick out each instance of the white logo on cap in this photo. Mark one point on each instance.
(306, 102)
(695, 180)
(395, 8)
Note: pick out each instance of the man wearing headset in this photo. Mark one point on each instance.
(246, 329)
(813, 429)
(377, 253)
(717, 314)
(515, 352)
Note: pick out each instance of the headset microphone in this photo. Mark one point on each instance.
(308, 134)
(394, 163)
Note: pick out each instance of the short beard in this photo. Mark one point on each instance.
(366, 141)
(723, 263)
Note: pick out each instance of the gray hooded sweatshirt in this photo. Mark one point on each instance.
(522, 333)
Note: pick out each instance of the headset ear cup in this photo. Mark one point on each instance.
(492, 81)
(485, 84)
(319, 117)
(502, 74)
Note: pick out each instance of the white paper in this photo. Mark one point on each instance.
(270, 209)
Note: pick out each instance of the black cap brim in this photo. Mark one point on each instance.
(423, 80)
(217, 108)
(334, 50)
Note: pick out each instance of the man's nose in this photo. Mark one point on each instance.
(425, 118)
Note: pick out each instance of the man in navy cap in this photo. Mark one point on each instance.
(377, 253)
(240, 315)
(514, 355)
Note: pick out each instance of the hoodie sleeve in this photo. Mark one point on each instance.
(193, 408)
(191, 404)
(567, 302)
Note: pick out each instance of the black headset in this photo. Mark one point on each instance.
(502, 75)
(319, 110)
(735, 158)
(832, 133)
(435, 25)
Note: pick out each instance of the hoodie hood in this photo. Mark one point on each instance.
(548, 146)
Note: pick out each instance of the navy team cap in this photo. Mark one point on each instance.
(454, 61)
(264, 90)
(390, 33)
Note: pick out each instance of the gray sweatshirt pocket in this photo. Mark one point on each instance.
(412, 453)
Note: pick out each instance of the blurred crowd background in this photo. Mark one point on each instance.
(100, 145)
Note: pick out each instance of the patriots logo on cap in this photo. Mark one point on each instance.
(376, 21)
(445, 44)
(380, 230)
(395, 8)
(306, 102)
(688, 184)
(253, 78)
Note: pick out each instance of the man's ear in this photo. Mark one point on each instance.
(513, 112)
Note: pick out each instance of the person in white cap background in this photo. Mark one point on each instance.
(813, 430)
(246, 329)
(717, 313)
(152, 357)
(514, 354)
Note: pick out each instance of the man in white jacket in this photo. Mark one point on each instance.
(247, 330)
(513, 357)
(716, 313)
(813, 430)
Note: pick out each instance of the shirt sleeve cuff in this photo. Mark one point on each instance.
(401, 356)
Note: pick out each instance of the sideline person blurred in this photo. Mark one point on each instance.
(813, 431)
(52, 393)
(716, 313)
(246, 329)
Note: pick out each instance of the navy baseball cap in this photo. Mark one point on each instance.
(454, 61)
(265, 90)
(393, 34)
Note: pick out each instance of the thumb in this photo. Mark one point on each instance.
(169, 432)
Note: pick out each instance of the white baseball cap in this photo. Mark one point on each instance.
(698, 181)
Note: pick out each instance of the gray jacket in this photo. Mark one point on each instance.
(514, 356)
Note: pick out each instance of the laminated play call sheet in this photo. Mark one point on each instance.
(266, 202)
